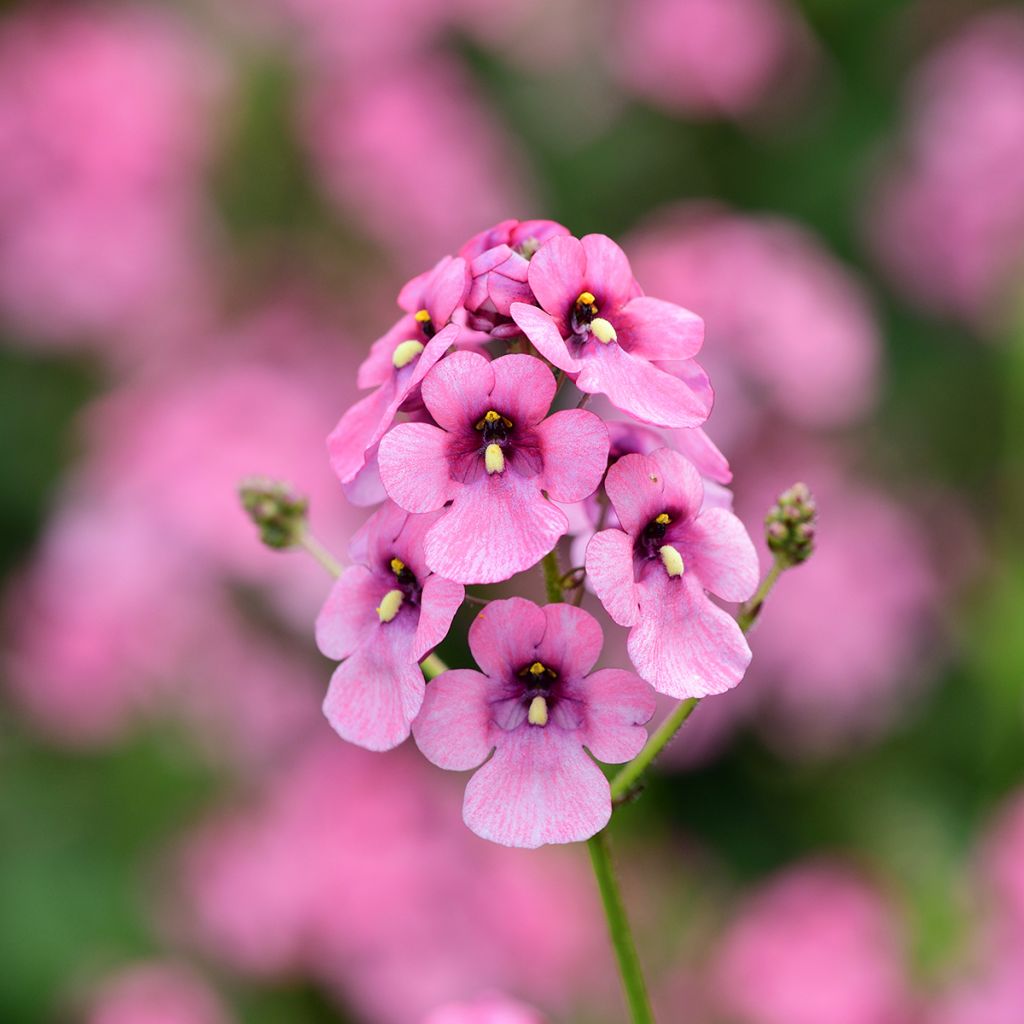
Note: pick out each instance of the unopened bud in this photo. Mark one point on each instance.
(275, 508)
(790, 525)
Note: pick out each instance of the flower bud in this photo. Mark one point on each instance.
(790, 525)
(278, 512)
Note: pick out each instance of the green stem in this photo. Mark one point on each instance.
(309, 542)
(432, 666)
(628, 776)
(552, 576)
(618, 928)
(749, 612)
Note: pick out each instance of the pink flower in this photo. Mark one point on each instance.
(594, 323)
(156, 993)
(493, 457)
(398, 362)
(499, 261)
(813, 946)
(536, 707)
(490, 1009)
(384, 615)
(652, 575)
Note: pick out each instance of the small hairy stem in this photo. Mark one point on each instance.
(582, 403)
(433, 666)
(618, 928)
(749, 612)
(630, 775)
(552, 576)
(309, 541)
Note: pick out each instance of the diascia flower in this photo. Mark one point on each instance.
(385, 613)
(398, 362)
(535, 705)
(596, 325)
(652, 575)
(494, 456)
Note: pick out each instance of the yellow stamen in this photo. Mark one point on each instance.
(602, 330)
(586, 299)
(491, 416)
(494, 459)
(421, 316)
(537, 669)
(405, 353)
(672, 560)
(397, 566)
(663, 519)
(390, 604)
(538, 714)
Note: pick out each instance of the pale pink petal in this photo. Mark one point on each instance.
(639, 388)
(575, 445)
(504, 290)
(371, 544)
(447, 290)
(557, 273)
(655, 329)
(619, 704)
(377, 367)
(506, 634)
(572, 640)
(608, 273)
(636, 488)
(365, 488)
(457, 390)
(375, 695)
(542, 331)
(355, 433)
(348, 615)
(684, 645)
(410, 298)
(721, 554)
(703, 453)
(684, 488)
(610, 570)
(453, 727)
(523, 388)
(498, 526)
(539, 787)
(414, 466)
(439, 602)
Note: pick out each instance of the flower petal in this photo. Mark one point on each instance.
(506, 635)
(618, 706)
(636, 488)
(523, 388)
(348, 615)
(375, 695)
(655, 329)
(458, 389)
(497, 526)
(639, 388)
(542, 331)
(447, 290)
(610, 569)
(722, 555)
(574, 443)
(684, 488)
(356, 432)
(453, 727)
(439, 602)
(572, 640)
(557, 273)
(414, 466)
(539, 787)
(608, 275)
(683, 644)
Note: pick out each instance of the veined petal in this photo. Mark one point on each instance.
(458, 389)
(610, 569)
(453, 727)
(439, 602)
(357, 432)
(572, 639)
(721, 553)
(574, 443)
(506, 633)
(414, 467)
(523, 388)
(543, 332)
(348, 616)
(618, 706)
(557, 273)
(655, 329)
(608, 274)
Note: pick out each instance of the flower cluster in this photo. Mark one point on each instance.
(476, 444)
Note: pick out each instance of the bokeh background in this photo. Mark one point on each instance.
(206, 210)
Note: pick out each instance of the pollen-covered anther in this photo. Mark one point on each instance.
(538, 713)
(397, 566)
(422, 317)
(390, 605)
(664, 519)
(671, 559)
(494, 459)
(405, 353)
(603, 330)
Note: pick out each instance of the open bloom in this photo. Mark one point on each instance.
(383, 615)
(652, 575)
(493, 456)
(398, 362)
(596, 325)
(499, 263)
(536, 707)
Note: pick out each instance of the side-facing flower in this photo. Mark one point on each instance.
(385, 613)
(596, 325)
(653, 574)
(494, 456)
(499, 263)
(537, 706)
(398, 362)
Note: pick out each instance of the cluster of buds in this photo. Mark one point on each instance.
(278, 512)
(790, 525)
